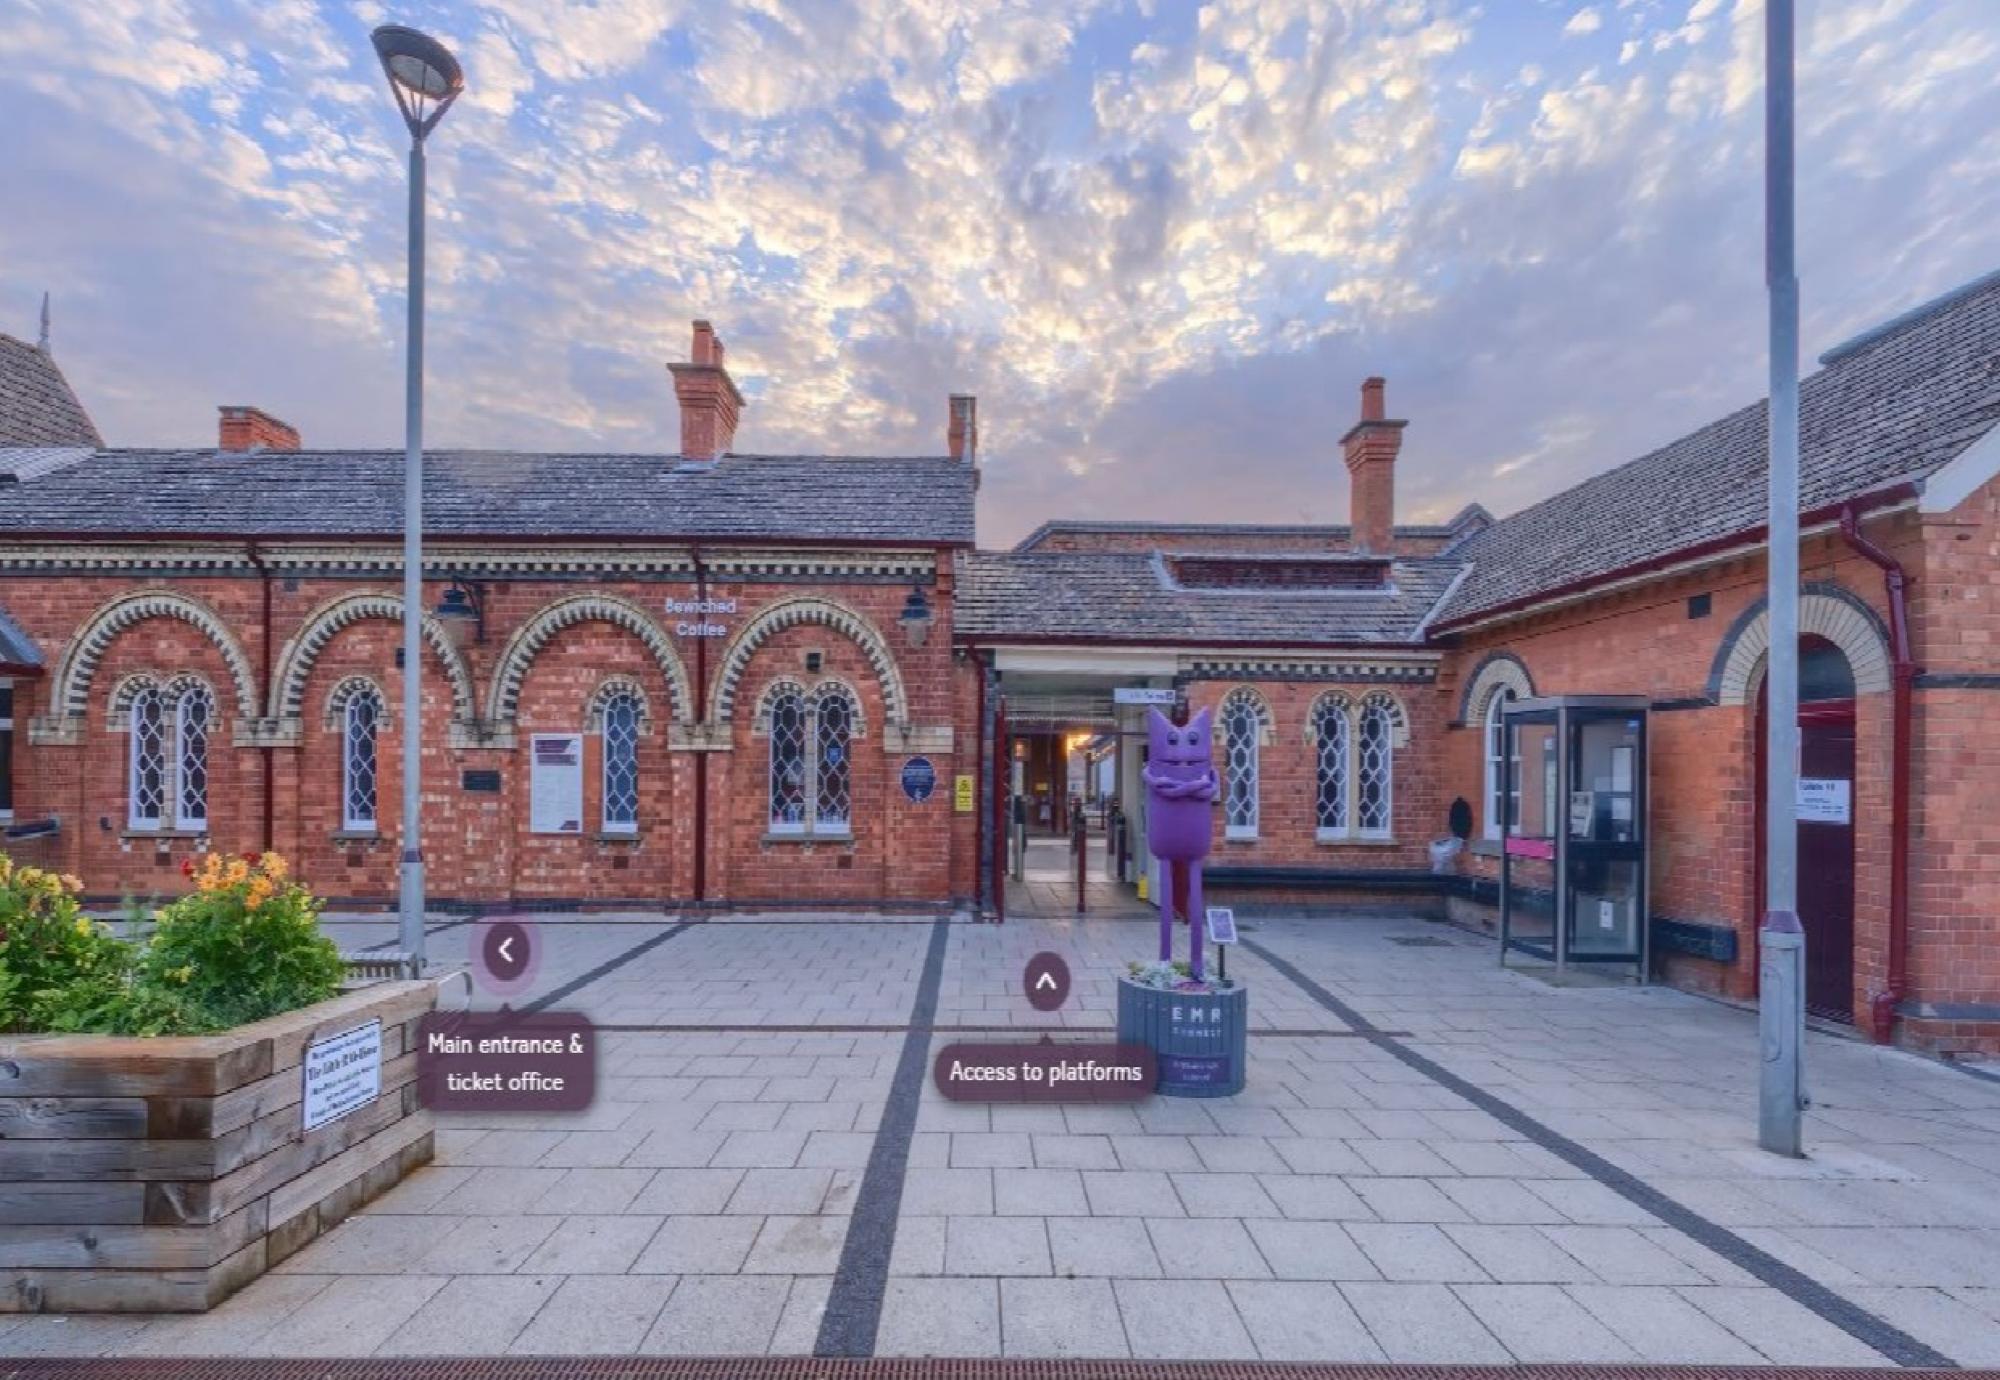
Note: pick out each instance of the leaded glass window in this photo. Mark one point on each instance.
(788, 761)
(1331, 731)
(1372, 769)
(192, 713)
(832, 796)
(146, 790)
(361, 722)
(621, 763)
(1240, 728)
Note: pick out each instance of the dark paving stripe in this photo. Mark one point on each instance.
(883, 1368)
(577, 984)
(1898, 1345)
(854, 1304)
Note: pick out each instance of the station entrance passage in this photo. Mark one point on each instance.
(1067, 822)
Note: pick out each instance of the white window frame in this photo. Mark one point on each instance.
(605, 822)
(1368, 708)
(1242, 702)
(186, 820)
(134, 821)
(7, 749)
(350, 822)
(811, 825)
(1342, 711)
(1502, 795)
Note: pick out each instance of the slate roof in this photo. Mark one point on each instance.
(16, 647)
(37, 405)
(1472, 515)
(921, 500)
(1115, 596)
(1895, 404)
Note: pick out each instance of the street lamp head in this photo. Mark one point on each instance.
(423, 75)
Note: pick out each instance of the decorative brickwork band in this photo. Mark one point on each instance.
(536, 633)
(1825, 610)
(792, 613)
(296, 661)
(85, 653)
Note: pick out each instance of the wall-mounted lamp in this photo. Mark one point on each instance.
(916, 616)
(462, 611)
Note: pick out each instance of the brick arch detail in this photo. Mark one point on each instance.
(611, 688)
(1496, 671)
(347, 690)
(1339, 700)
(302, 653)
(77, 671)
(1399, 717)
(503, 700)
(1267, 720)
(795, 612)
(1825, 610)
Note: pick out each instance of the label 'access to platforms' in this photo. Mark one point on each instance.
(506, 1061)
(1045, 1072)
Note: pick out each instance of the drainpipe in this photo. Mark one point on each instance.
(701, 720)
(264, 685)
(1903, 668)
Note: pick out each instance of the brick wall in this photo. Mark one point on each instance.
(479, 846)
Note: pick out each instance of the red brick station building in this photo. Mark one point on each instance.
(712, 679)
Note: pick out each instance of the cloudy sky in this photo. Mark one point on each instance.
(1162, 242)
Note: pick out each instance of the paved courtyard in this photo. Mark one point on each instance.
(1435, 1160)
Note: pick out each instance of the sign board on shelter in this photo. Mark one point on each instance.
(1824, 800)
(1143, 694)
(343, 1073)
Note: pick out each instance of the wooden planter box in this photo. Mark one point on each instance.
(162, 1175)
(1202, 1039)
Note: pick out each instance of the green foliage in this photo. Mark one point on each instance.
(244, 945)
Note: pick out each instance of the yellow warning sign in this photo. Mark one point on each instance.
(961, 798)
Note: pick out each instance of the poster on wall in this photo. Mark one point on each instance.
(555, 784)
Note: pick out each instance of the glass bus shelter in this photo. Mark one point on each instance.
(1573, 839)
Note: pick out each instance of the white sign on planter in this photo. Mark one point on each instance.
(343, 1073)
(555, 784)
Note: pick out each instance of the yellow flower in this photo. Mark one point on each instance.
(83, 924)
(276, 867)
(73, 882)
(239, 871)
(258, 894)
(182, 974)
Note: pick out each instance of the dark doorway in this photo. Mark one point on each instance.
(1826, 825)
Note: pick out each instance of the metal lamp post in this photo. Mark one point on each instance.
(425, 79)
(1781, 956)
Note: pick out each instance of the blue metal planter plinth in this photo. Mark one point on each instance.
(1201, 1038)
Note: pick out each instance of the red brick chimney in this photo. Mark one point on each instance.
(709, 401)
(252, 428)
(1370, 448)
(962, 430)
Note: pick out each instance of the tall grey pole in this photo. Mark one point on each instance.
(1781, 988)
(412, 895)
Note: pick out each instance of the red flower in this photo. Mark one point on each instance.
(187, 867)
(253, 858)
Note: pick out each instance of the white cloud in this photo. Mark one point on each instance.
(1585, 21)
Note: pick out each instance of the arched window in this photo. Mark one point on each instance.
(1241, 727)
(167, 781)
(621, 763)
(1503, 789)
(146, 786)
(811, 759)
(192, 713)
(1373, 771)
(1331, 731)
(361, 721)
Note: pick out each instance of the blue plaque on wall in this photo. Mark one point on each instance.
(919, 779)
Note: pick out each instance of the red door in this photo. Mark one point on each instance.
(1826, 855)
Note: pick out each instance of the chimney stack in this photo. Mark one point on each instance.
(1370, 448)
(962, 429)
(253, 429)
(709, 401)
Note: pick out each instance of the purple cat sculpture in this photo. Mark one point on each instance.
(1180, 785)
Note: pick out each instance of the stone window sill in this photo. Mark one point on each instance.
(162, 835)
(357, 836)
(615, 836)
(1355, 841)
(843, 839)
